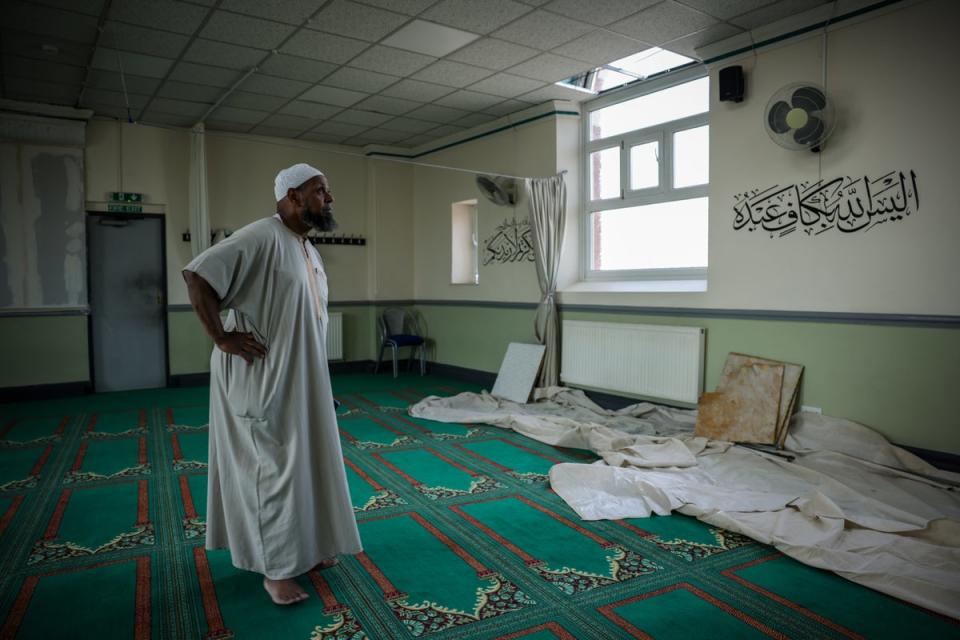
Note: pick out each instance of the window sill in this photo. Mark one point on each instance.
(637, 286)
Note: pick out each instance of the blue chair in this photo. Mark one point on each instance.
(400, 328)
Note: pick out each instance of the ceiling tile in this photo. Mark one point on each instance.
(446, 130)
(333, 95)
(453, 74)
(306, 109)
(339, 128)
(688, 46)
(507, 107)
(416, 141)
(409, 125)
(474, 120)
(663, 22)
(106, 111)
(256, 101)
(245, 31)
(179, 107)
(384, 104)
(161, 14)
(276, 132)
(437, 113)
(190, 91)
(328, 138)
(323, 46)
(600, 47)
(74, 27)
(171, 119)
(505, 85)
(542, 30)
(535, 3)
(114, 98)
(491, 53)
(357, 116)
(236, 114)
(428, 38)
(479, 17)
(598, 12)
(133, 63)
(31, 45)
(110, 80)
(416, 90)
(556, 92)
(386, 136)
(550, 68)
(289, 121)
(390, 60)
(33, 90)
(259, 83)
(296, 68)
(468, 100)
(772, 13)
(359, 80)
(357, 20)
(222, 54)
(89, 7)
(205, 74)
(49, 71)
(289, 11)
(141, 40)
(409, 7)
(724, 9)
(223, 125)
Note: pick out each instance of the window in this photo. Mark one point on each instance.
(464, 262)
(647, 159)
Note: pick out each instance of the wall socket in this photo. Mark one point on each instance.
(805, 408)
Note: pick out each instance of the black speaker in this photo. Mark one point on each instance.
(731, 84)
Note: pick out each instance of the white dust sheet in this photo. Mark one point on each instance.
(850, 501)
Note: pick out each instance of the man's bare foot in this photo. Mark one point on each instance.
(328, 563)
(284, 592)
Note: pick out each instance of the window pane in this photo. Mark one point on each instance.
(605, 173)
(666, 235)
(645, 165)
(674, 103)
(691, 157)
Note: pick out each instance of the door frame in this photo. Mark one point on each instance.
(163, 281)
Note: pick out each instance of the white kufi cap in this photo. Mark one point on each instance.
(293, 177)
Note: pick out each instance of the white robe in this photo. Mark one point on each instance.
(277, 493)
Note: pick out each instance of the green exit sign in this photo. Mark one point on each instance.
(124, 208)
(125, 196)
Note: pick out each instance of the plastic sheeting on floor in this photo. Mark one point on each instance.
(846, 499)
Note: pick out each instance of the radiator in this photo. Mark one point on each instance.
(335, 336)
(638, 359)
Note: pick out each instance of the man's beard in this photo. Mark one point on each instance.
(322, 221)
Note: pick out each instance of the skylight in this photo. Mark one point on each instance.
(637, 66)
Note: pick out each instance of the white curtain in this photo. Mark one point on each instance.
(199, 205)
(547, 201)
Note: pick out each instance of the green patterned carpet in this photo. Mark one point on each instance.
(102, 503)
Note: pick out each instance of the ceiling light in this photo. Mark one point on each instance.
(429, 38)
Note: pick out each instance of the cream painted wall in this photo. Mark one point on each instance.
(890, 77)
(391, 238)
(526, 150)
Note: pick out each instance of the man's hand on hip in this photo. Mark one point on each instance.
(241, 344)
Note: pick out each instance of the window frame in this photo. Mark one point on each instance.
(663, 192)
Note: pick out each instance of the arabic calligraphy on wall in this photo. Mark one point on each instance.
(511, 242)
(845, 204)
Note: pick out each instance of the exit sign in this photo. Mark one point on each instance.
(125, 196)
(124, 208)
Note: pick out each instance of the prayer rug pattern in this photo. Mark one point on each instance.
(102, 522)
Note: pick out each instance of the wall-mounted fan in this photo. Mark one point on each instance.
(799, 116)
(499, 190)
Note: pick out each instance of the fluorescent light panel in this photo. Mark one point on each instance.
(429, 38)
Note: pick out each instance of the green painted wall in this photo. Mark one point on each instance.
(359, 332)
(474, 337)
(43, 350)
(189, 346)
(897, 380)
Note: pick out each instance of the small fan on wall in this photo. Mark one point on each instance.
(799, 116)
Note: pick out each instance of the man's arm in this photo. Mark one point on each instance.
(206, 303)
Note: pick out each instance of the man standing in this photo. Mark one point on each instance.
(277, 493)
